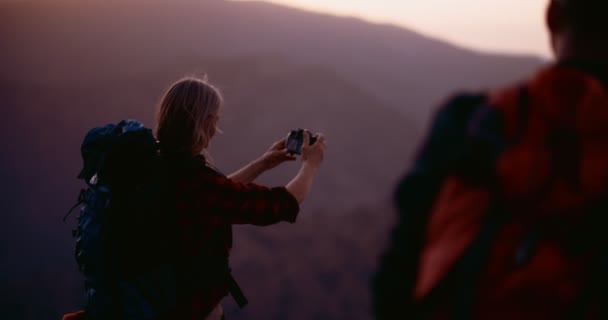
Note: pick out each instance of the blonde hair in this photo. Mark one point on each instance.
(184, 124)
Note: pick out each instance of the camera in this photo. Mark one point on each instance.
(295, 140)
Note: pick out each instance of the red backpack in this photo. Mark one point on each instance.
(530, 243)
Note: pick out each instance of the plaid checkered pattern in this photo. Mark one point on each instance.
(207, 205)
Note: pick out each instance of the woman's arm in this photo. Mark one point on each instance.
(276, 155)
(249, 173)
(224, 200)
(220, 200)
(301, 185)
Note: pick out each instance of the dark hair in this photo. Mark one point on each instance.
(587, 16)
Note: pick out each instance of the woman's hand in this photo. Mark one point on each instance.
(276, 155)
(313, 154)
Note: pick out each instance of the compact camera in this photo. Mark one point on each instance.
(295, 141)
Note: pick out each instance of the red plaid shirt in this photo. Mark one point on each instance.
(207, 205)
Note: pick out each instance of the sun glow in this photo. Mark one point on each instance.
(512, 26)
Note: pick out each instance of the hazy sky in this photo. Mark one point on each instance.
(495, 25)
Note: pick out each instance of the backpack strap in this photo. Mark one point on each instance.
(463, 275)
(79, 201)
(236, 292)
(523, 112)
(474, 261)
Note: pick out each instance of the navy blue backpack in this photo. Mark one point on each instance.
(124, 233)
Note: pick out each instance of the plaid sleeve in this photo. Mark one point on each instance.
(229, 202)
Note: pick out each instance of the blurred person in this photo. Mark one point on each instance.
(202, 204)
(503, 215)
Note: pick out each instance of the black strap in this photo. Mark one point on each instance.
(463, 277)
(461, 280)
(236, 292)
(80, 200)
(474, 261)
(203, 270)
(523, 112)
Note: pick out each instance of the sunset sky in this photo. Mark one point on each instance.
(514, 26)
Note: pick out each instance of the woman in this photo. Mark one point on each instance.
(208, 203)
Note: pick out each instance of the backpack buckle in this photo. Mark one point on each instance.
(94, 179)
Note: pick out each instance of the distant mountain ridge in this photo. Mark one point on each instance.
(398, 66)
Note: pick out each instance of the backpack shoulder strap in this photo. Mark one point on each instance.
(486, 132)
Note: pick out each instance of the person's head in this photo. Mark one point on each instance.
(187, 117)
(579, 28)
